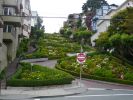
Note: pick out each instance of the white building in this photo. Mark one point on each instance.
(1, 39)
(100, 13)
(102, 25)
(12, 26)
(26, 21)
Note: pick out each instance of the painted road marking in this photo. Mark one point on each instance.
(108, 89)
(102, 95)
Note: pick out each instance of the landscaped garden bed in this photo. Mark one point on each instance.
(34, 75)
(55, 47)
(101, 67)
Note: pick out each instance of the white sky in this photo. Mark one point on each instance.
(59, 8)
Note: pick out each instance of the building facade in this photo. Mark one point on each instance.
(26, 21)
(100, 13)
(102, 25)
(1, 44)
(11, 28)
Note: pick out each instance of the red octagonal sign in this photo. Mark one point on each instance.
(81, 57)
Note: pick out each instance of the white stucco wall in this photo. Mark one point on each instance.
(4, 57)
(102, 27)
(1, 38)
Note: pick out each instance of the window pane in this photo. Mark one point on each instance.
(9, 28)
(5, 28)
(5, 11)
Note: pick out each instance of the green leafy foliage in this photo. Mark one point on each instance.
(37, 75)
(55, 47)
(23, 47)
(2, 74)
(119, 36)
(103, 41)
(99, 65)
(93, 5)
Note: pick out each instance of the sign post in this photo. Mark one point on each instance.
(81, 58)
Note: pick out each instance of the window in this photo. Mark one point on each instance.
(9, 11)
(8, 28)
(5, 11)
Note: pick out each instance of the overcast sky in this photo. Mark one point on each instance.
(59, 8)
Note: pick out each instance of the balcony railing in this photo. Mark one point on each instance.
(12, 20)
(8, 37)
(10, 3)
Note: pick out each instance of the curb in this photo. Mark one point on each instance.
(67, 93)
(37, 97)
(56, 96)
(102, 89)
(35, 60)
(61, 95)
(111, 83)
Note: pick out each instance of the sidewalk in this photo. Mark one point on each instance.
(47, 91)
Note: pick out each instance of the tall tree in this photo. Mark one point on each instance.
(90, 7)
(38, 30)
(120, 34)
(93, 5)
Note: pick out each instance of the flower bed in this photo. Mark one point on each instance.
(102, 66)
(55, 47)
(37, 75)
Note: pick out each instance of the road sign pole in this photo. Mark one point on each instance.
(80, 80)
(81, 57)
(81, 68)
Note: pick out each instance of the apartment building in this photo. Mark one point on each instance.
(102, 25)
(1, 38)
(102, 11)
(13, 28)
(26, 21)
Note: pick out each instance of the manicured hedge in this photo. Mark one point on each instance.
(55, 47)
(51, 77)
(32, 83)
(100, 67)
(97, 77)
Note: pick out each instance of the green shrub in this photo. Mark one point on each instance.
(108, 79)
(128, 76)
(55, 47)
(2, 74)
(102, 65)
(38, 76)
(23, 47)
